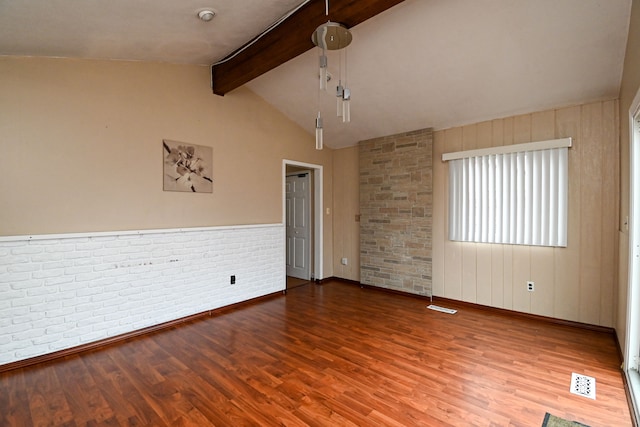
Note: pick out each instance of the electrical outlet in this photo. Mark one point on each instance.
(344, 261)
(233, 279)
(530, 286)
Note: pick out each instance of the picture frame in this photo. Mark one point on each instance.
(187, 167)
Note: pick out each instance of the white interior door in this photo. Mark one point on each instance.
(298, 227)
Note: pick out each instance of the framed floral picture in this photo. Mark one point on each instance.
(187, 167)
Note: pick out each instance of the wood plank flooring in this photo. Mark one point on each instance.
(328, 355)
(294, 282)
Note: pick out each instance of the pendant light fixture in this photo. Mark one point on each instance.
(332, 36)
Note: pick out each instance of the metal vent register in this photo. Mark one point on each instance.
(583, 385)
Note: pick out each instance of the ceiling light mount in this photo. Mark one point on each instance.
(206, 15)
(332, 36)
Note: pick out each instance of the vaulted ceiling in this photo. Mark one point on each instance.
(419, 63)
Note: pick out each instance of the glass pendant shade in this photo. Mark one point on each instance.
(339, 95)
(319, 136)
(346, 106)
(323, 71)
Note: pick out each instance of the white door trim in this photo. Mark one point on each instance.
(632, 333)
(318, 223)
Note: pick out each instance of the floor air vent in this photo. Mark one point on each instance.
(583, 385)
(442, 309)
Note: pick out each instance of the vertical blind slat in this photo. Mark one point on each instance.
(499, 200)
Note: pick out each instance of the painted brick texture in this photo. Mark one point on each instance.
(63, 292)
(396, 211)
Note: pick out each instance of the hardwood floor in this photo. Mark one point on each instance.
(294, 282)
(331, 354)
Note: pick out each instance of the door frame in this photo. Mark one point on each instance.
(318, 217)
(632, 333)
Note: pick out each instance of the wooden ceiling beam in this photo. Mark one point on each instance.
(290, 39)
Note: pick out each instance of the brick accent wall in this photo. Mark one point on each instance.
(396, 211)
(63, 291)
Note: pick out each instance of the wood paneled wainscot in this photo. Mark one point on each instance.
(574, 283)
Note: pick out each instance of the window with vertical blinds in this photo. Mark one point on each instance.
(513, 195)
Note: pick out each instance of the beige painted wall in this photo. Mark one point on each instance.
(81, 146)
(629, 88)
(576, 283)
(346, 205)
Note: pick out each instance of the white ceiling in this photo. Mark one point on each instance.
(422, 63)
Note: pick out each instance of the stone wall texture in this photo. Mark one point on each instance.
(396, 211)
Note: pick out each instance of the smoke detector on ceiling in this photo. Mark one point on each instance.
(206, 15)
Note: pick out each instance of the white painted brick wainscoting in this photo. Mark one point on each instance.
(58, 292)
